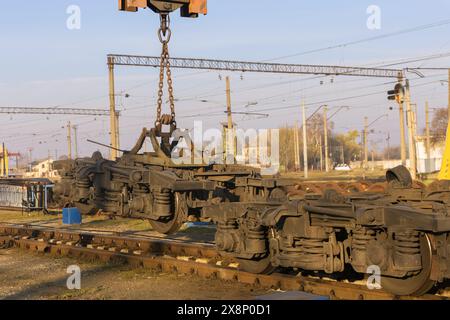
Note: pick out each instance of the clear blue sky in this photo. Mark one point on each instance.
(45, 64)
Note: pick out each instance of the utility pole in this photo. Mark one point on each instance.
(69, 140)
(229, 116)
(325, 129)
(388, 139)
(366, 148)
(48, 163)
(342, 154)
(373, 159)
(427, 130)
(117, 131)
(411, 137)
(321, 152)
(305, 143)
(398, 94)
(75, 138)
(297, 147)
(402, 134)
(30, 150)
(112, 110)
(230, 130)
(414, 120)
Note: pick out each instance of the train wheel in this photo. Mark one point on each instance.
(179, 217)
(418, 284)
(278, 194)
(262, 266)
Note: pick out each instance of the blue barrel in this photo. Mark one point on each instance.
(71, 216)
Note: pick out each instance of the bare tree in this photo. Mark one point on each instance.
(439, 125)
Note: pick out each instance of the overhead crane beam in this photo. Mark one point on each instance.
(241, 66)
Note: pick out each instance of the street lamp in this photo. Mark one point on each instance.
(380, 117)
(366, 132)
(338, 110)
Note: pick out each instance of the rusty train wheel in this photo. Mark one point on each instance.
(178, 218)
(278, 194)
(261, 266)
(418, 284)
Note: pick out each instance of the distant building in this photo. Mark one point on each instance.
(42, 169)
(424, 165)
(432, 164)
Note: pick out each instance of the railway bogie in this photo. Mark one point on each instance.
(397, 229)
(149, 185)
(401, 235)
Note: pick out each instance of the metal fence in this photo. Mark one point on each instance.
(12, 196)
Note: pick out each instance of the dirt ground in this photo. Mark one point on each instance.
(33, 276)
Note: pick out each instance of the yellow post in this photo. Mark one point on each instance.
(444, 174)
(4, 162)
(448, 106)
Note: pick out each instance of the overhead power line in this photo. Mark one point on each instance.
(383, 36)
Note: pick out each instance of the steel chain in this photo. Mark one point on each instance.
(164, 35)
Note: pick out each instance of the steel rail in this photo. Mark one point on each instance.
(179, 257)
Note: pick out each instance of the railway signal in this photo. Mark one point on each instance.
(397, 94)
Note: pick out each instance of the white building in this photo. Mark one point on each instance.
(43, 169)
(424, 165)
(433, 164)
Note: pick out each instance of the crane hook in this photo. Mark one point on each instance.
(164, 32)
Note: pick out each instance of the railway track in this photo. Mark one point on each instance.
(183, 257)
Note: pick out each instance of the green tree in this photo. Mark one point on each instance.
(439, 123)
(345, 147)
